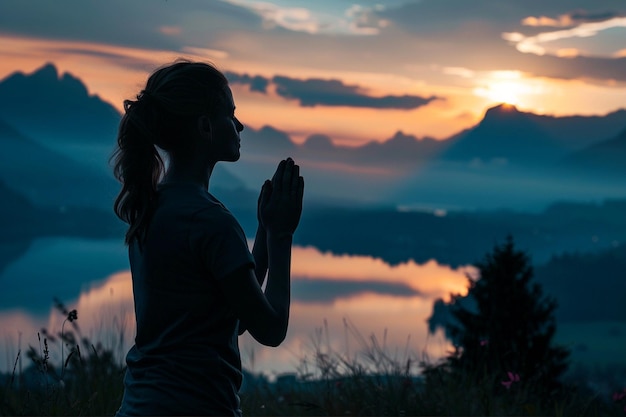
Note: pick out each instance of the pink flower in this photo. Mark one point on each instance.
(484, 342)
(618, 396)
(512, 378)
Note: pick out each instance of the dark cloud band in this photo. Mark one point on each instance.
(318, 92)
(255, 83)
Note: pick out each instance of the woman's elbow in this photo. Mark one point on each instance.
(275, 341)
(272, 337)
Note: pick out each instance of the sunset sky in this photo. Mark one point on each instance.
(356, 70)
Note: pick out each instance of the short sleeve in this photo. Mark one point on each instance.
(221, 242)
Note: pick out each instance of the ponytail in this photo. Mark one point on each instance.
(139, 167)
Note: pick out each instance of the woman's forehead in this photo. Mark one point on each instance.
(228, 95)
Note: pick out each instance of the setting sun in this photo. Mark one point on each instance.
(507, 87)
(509, 92)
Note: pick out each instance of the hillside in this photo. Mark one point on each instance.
(56, 107)
(606, 159)
(47, 177)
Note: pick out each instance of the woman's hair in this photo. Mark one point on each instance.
(163, 115)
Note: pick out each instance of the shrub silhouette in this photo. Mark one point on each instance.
(503, 329)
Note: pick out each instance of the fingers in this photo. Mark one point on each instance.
(278, 175)
(300, 190)
(266, 190)
(286, 178)
(281, 180)
(295, 175)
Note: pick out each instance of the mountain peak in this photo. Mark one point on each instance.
(502, 109)
(63, 111)
(47, 72)
(504, 113)
(401, 137)
(318, 142)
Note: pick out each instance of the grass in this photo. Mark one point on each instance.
(377, 382)
(370, 381)
(87, 381)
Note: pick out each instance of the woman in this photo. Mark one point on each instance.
(196, 285)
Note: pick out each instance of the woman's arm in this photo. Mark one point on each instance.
(259, 252)
(266, 314)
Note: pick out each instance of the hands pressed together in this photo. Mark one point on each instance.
(280, 201)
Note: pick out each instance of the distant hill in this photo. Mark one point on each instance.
(506, 160)
(48, 178)
(56, 107)
(604, 159)
(505, 136)
(400, 150)
(514, 159)
(56, 111)
(511, 136)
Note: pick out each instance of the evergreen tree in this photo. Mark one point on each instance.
(505, 324)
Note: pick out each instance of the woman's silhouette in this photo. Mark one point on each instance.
(196, 285)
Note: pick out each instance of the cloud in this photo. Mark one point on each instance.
(364, 20)
(255, 83)
(140, 24)
(326, 291)
(319, 17)
(539, 44)
(407, 38)
(298, 19)
(315, 92)
(568, 19)
(479, 37)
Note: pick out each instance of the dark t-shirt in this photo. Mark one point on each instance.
(186, 357)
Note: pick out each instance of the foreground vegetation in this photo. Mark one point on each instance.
(88, 381)
(504, 363)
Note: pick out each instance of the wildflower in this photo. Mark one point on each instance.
(512, 378)
(619, 396)
(72, 315)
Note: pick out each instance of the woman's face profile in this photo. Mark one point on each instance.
(225, 129)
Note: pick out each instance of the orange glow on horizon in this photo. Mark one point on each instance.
(430, 278)
(116, 73)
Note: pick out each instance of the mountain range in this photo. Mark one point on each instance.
(63, 137)
(55, 180)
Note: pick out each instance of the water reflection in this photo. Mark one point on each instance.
(105, 310)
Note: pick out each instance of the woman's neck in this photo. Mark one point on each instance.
(189, 173)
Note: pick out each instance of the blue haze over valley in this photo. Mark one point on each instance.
(556, 184)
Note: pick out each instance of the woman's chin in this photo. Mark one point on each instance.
(232, 158)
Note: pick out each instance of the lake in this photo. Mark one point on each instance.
(340, 303)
